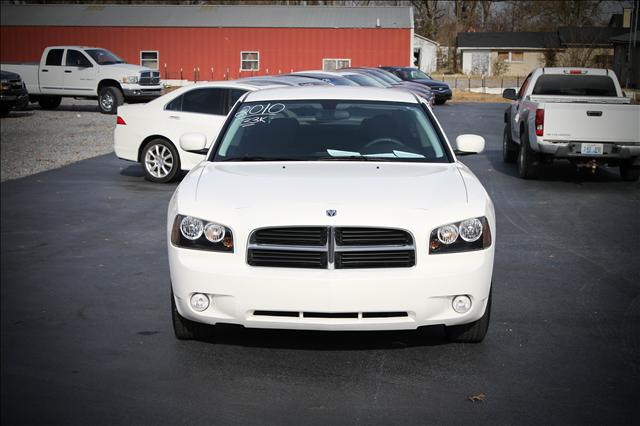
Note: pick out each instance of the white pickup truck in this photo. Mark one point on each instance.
(86, 72)
(577, 114)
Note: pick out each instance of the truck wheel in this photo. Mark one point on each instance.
(509, 147)
(628, 172)
(50, 102)
(4, 112)
(160, 161)
(109, 99)
(473, 332)
(527, 159)
(185, 329)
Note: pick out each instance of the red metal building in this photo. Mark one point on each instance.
(223, 42)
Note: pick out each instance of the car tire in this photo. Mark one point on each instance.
(527, 159)
(4, 112)
(474, 332)
(629, 172)
(50, 102)
(509, 147)
(160, 161)
(109, 99)
(440, 101)
(185, 329)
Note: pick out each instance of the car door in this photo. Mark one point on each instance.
(51, 73)
(516, 110)
(79, 74)
(200, 110)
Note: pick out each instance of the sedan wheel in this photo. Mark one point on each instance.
(161, 161)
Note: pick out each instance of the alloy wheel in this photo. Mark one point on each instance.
(158, 161)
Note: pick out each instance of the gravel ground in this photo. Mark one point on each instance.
(36, 140)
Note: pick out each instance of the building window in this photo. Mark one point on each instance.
(330, 64)
(249, 61)
(514, 57)
(149, 59)
(517, 57)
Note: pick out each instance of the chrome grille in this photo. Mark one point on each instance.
(149, 78)
(331, 247)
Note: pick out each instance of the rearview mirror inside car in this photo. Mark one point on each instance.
(510, 94)
(193, 142)
(469, 144)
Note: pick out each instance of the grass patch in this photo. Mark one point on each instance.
(466, 96)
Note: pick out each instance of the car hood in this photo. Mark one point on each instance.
(303, 191)
(8, 75)
(431, 83)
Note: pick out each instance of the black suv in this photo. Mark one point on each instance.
(13, 93)
(440, 89)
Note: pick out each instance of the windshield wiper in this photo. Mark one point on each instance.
(258, 158)
(345, 158)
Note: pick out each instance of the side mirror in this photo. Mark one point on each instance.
(193, 142)
(510, 94)
(469, 144)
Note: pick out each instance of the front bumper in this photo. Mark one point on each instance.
(442, 95)
(142, 93)
(14, 99)
(237, 290)
(572, 150)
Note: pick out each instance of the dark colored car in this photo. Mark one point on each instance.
(440, 89)
(13, 93)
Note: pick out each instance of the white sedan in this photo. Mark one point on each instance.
(332, 208)
(149, 133)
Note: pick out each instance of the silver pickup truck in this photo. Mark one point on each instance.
(577, 114)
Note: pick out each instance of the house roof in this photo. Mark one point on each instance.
(533, 40)
(587, 36)
(426, 39)
(206, 16)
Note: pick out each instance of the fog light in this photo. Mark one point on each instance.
(461, 304)
(200, 302)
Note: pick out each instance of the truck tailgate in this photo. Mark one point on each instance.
(591, 122)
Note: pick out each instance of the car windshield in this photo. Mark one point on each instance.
(415, 73)
(382, 76)
(330, 130)
(103, 57)
(390, 76)
(364, 80)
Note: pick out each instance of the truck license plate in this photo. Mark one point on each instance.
(591, 148)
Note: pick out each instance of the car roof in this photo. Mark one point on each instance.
(232, 84)
(331, 92)
(284, 79)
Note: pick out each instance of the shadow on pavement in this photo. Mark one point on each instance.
(560, 170)
(18, 114)
(326, 340)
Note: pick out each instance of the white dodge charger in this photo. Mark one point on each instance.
(332, 208)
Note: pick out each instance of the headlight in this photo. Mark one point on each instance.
(467, 235)
(191, 232)
(132, 79)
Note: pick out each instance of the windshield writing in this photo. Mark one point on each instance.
(327, 130)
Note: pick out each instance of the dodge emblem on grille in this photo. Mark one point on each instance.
(331, 213)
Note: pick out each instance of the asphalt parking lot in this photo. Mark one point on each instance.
(87, 337)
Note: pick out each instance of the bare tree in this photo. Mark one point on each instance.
(427, 15)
